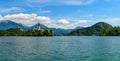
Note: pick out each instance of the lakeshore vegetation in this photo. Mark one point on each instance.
(98, 29)
(20, 32)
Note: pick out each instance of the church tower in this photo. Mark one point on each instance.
(39, 26)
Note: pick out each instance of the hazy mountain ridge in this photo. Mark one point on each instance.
(6, 24)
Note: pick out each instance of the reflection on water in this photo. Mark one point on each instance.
(59, 48)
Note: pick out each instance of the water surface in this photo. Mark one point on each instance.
(60, 48)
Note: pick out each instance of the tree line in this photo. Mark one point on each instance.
(20, 32)
(115, 31)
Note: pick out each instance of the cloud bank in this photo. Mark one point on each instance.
(63, 21)
(31, 19)
(26, 18)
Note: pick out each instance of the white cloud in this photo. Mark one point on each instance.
(44, 19)
(114, 21)
(44, 11)
(1, 18)
(70, 25)
(79, 22)
(63, 21)
(26, 18)
(12, 9)
(63, 2)
(31, 19)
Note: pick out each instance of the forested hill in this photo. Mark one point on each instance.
(96, 29)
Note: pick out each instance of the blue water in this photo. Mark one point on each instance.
(88, 48)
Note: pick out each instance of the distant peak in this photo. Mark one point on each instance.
(101, 23)
(6, 21)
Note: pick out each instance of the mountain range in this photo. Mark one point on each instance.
(98, 29)
(6, 24)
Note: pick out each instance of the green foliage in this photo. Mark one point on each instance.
(92, 31)
(3, 33)
(14, 31)
(20, 32)
(115, 31)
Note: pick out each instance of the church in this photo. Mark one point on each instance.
(38, 28)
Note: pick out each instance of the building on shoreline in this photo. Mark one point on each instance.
(38, 28)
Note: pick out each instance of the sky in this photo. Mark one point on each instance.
(65, 14)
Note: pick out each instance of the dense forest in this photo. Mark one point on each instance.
(20, 32)
(99, 29)
(115, 31)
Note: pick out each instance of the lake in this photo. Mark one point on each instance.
(62, 48)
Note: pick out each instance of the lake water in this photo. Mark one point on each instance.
(80, 48)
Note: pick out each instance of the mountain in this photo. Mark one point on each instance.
(6, 24)
(93, 30)
(41, 25)
(57, 31)
(60, 31)
(78, 27)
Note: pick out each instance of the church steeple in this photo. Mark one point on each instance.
(38, 25)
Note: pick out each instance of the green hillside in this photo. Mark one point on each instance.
(95, 29)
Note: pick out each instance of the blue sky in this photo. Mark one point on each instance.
(61, 13)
